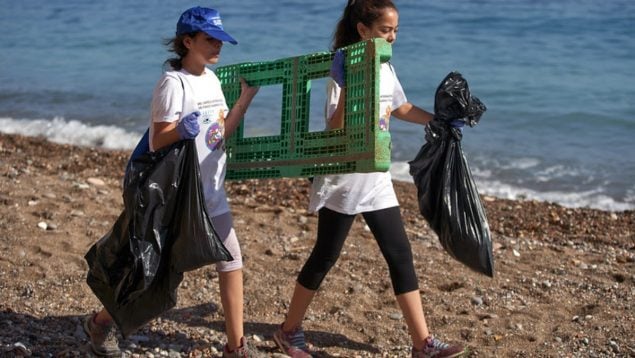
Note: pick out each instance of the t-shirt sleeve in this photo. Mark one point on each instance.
(167, 100)
(332, 98)
(399, 96)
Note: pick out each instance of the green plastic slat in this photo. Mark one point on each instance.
(359, 147)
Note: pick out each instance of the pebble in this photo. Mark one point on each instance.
(95, 182)
(77, 213)
(42, 225)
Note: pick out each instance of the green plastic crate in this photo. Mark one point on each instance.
(359, 147)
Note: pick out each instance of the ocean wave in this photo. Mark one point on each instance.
(60, 130)
(594, 199)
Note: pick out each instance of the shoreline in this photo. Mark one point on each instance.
(564, 278)
(114, 138)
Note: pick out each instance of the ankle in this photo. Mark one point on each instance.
(235, 347)
(290, 328)
(104, 322)
(421, 343)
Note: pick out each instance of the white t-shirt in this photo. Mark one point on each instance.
(179, 93)
(360, 192)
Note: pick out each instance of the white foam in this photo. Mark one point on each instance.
(59, 130)
(556, 171)
(594, 199)
(524, 163)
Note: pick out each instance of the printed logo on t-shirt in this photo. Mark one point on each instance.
(213, 120)
(384, 120)
(214, 136)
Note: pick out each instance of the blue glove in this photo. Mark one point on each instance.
(457, 123)
(338, 71)
(188, 126)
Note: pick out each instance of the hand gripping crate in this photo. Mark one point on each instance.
(361, 146)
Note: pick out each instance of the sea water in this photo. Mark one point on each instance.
(556, 77)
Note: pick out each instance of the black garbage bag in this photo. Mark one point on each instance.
(142, 148)
(447, 193)
(135, 269)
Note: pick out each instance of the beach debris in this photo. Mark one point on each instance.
(477, 300)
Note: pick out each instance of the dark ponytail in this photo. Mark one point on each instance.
(356, 11)
(177, 46)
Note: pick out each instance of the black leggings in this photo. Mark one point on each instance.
(388, 229)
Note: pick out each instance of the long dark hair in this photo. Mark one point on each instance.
(356, 11)
(177, 46)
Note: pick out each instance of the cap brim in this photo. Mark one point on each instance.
(221, 35)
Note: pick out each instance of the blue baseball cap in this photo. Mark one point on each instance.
(203, 19)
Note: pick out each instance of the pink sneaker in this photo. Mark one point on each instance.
(292, 343)
(435, 348)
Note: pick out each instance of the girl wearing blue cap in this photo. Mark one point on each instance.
(188, 103)
(339, 198)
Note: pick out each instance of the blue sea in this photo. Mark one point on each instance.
(556, 77)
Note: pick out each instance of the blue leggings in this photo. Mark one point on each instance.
(388, 229)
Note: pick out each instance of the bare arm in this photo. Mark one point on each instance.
(337, 119)
(247, 93)
(411, 113)
(164, 134)
(407, 112)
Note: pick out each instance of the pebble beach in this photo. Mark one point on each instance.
(564, 283)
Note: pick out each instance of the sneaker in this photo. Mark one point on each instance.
(103, 341)
(292, 343)
(435, 348)
(244, 351)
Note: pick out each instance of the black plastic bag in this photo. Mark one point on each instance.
(197, 244)
(448, 197)
(135, 269)
(141, 148)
